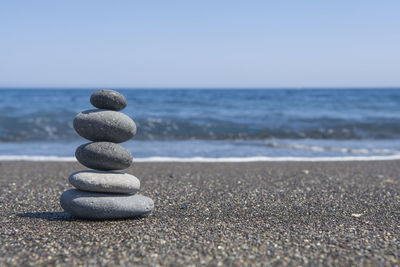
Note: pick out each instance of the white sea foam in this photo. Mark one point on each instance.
(329, 148)
(35, 158)
(271, 159)
(204, 159)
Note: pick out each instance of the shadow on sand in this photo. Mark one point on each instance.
(63, 216)
(50, 216)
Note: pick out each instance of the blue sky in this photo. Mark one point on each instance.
(203, 43)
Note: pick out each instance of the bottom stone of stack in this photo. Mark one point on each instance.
(100, 206)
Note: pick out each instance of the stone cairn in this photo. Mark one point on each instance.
(104, 193)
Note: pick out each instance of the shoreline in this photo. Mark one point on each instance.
(277, 213)
(210, 160)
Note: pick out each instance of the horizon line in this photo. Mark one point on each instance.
(201, 88)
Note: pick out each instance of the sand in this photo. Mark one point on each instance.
(211, 213)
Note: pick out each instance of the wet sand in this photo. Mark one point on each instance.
(211, 213)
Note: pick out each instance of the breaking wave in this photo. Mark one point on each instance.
(58, 126)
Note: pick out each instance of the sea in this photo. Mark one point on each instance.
(212, 125)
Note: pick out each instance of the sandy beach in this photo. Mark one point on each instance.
(211, 213)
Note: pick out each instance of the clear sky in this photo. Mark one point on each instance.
(188, 43)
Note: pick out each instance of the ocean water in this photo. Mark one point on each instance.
(213, 124)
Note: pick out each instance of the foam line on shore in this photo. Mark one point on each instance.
(204, 159)
(274, 159)
(36, 158)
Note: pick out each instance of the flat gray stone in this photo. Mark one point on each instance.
(108, 99)
(105, 181)
(104, 125)
(103, 156)
(100, 206)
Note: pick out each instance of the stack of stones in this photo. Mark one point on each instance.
(105, 192)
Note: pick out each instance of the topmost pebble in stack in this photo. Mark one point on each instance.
(105, 194)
